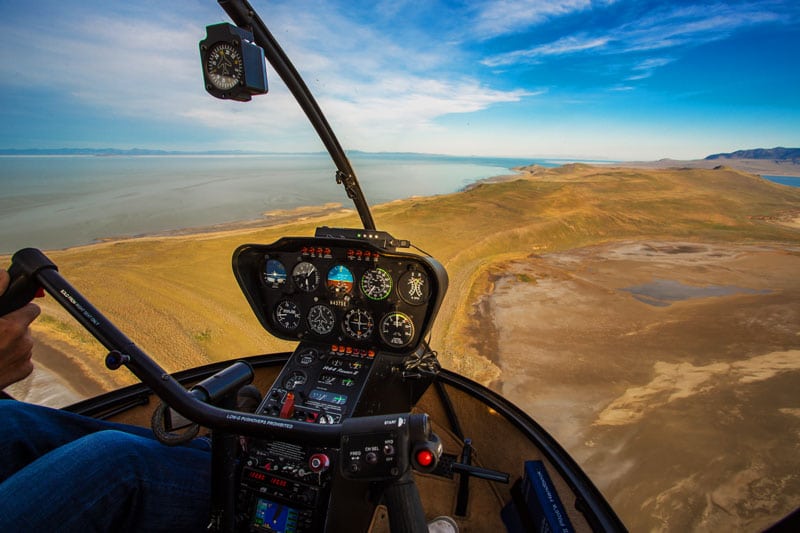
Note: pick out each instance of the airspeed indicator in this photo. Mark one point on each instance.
(376, 284)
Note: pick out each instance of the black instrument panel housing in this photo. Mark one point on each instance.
(418, 284)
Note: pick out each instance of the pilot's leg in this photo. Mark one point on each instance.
(61, 471)
(109, 481)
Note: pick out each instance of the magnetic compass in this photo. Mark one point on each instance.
(233, 65)
(224, 66)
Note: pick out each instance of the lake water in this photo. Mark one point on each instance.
(60, 201)
(785, 180)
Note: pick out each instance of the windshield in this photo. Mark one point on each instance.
(618, 268)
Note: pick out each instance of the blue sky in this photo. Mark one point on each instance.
(616, 79)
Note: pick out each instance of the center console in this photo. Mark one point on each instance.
(359, 309)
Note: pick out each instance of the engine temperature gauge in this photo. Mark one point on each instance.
(397, 329)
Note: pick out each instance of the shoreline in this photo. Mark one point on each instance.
(280, 217)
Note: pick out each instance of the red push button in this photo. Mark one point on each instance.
(424, 458)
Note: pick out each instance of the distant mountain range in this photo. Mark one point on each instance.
(775, 154)
(113, 151)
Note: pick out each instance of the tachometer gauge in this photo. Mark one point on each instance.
(376, 284)
(340, 280)
(414, 287)
(305, 276)
(287, 315)
(321, 319)
(358, 324)
(397, 329)
(274, 274)
(224, 65)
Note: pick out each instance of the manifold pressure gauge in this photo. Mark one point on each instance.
(233, 65)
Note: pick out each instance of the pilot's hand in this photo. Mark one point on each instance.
(16, 345)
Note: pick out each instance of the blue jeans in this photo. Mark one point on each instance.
(64, 472)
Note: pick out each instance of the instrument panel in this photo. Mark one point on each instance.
(344, 292)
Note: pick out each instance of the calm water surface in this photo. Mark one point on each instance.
(55, 202)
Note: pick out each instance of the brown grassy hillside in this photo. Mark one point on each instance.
(176, 296)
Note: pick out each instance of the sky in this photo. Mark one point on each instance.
(607, 79)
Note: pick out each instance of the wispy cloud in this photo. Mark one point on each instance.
(691, 26)
(566, 45)
(645, 68)
(500, 17)
(438, 73)
(148, 68)
(664, 29)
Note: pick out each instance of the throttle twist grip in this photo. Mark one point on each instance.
(23, 285)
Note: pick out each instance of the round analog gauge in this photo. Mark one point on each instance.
(224, 66)
(376, 284)
(340, 280)
(321, 319)
(414, 287)
(397, 329)
(307, 357)
(274, 274)
(287, 315)
(293, 380)
(358, 324)
(305, 276)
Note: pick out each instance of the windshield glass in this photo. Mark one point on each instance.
(603, 181)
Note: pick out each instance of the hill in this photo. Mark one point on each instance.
(775, 154)
(540, 210)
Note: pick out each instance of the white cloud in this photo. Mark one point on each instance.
(645, 69)
(500, 17)
(149, 69)
(566, 45)
(668, 28)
